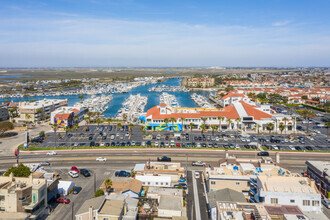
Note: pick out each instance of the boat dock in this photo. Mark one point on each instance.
(168, 99)
(132, 108)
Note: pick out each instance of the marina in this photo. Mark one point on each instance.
(96, 103)
(164, 88)
(168, 99)
(119, 98)
(201, 101)
(132, 108)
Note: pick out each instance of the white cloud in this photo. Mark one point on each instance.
(77, 41)
(281, 23)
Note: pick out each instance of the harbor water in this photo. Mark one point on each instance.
(183, 98)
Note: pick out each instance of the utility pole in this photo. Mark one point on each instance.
(72, 211)
(94, 181)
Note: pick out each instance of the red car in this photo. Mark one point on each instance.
(63, 200)
(74, 168)
(178, 144)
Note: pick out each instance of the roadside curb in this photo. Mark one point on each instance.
(167, 150)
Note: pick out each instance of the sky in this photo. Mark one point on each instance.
(164, 33)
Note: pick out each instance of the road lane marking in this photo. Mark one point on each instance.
(196, 199)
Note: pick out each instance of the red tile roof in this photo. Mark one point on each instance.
(252, 111)
(233, 95)
(75, 110)
(228, 112)
(63, 116)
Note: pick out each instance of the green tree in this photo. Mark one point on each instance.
(54, 127)
(258, 128)
(229, 88)
(304, 97)
(285, 119)
(108, 184)
(173, 121)
(182, 121)
(213, 127)
(230, 122)
(143, 129)
(191, 125)
(42, 134)
(98, 193)
(166, 120)
(220, 118)
(270, 127)
(119, 125)
(202, 128)
(124, 116)
(19, 171)
(281, 127)
(307, 114)
(131, 126)
(5, 126)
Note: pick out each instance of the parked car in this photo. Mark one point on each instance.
(198, 163)
(101, 159)
(63, 200)
(51, 153)
(122, 173)
(74, 168)
(263, 153)
(183, 185)
(76, 190)
(197, 175)
(73, 174)
(326, 203)
(164, 158)
(85, 172)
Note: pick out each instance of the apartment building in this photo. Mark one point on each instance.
(22, 197)
(39, 110)
(320, 172)
(4, 114)
(299, 191)
(237, 173)
(200, 82)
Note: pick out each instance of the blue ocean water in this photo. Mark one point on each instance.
(153, 97)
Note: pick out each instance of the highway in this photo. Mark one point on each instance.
(128, 157)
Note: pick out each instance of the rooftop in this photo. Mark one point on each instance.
(94, 202)
(123, 186)
(287, 184)
(165, 191)
(112, 207)
(170, 203)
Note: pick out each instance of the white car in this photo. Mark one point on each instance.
(102, 144)
(101, 159)
(73, 174)
(156, 144)
(133, 143)
(167, 144)
(51, 153)
(217, 139)
(197, 175)
(143, 144)
(292, 147)
(286, 140)
(225, 139)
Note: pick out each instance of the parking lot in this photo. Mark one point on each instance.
(110, 136)
(64, 211)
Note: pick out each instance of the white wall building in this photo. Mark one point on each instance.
(284, 190)
(160, 181)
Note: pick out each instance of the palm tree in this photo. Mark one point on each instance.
(281, 127)
(131, 126)
(143, 129)
(124, 116)
(270, 127)
(213, 127)
(67, 129)
(258, 127)
(327, 125)
(88, 119)
(307, 114)
(203, 128)
(276, 121)
(108, 184)
(285, 119)
(98, 122)
(119, 125)
(54, 127)
(230, 123)
(76, 118)
(109, 120)
(191, 125)
(182, 121)
(238, 120)
(173, 121)
(76, 127)
(166, 120)
(27, 116)
(294, 120)
(220, 118)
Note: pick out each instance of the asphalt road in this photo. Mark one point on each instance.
(294, 161)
